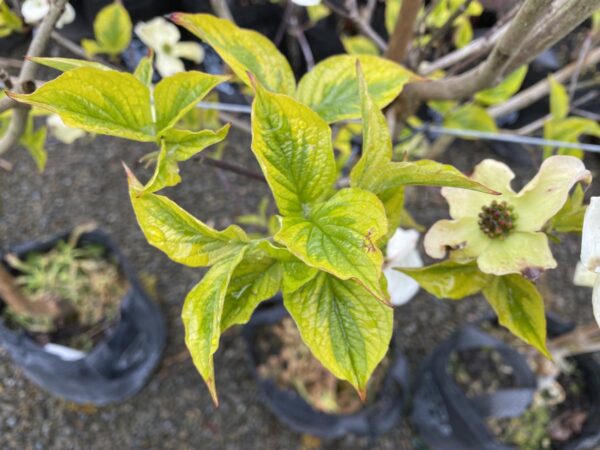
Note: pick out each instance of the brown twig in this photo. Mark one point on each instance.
(223, 165)
(403, 30)
(353, 14)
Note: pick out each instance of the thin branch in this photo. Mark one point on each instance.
(287, 15)
(11, 63)
(540, 89)
(221, 9)
(583, 52)
(78, 50)
(353, 14)
(403, 30)
(27, 74)
(490, 71)
(298, 33)
(223, 165)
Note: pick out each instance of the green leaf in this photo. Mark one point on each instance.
(470, 117)
(257, 278)
(344, 326)
(392, 10)
(296, 274)
(570, 218)
(145, 69)
(178, 146)
(449, 279)
(112, 29)
(359, 45)
(34, 141)
(202, 313)
(93, 100)
(559, 100)
(293, 147)
(243, 50)
(9, 21)
(174, 96)
(340, 236)
(505, 90)
(463, 32)
(569, 129)
(520, 308)
(65, 64)
(177, 233)
(331, 88)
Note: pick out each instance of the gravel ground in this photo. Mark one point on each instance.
(84, 182)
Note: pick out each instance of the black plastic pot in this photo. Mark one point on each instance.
(447, 420)
(118, 366)
(291, 409)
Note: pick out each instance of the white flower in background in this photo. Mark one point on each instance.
(590, 249)
(163, 37)
(306, 2)
(402, 252)
(62, 132)
(34, 11)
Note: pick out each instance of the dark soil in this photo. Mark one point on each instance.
(85, 181)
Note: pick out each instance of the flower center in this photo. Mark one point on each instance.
(167, 49)
(497, 220)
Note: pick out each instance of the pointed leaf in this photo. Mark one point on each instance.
(93, 100)
(331, 88)
(112, 29)
(145, 69)
(470, 117)
(178, 146)
(202, 312)
(293, 147)
(449, 279)
(520, 308)
(340, 236)
(559, 100)
(174, 96)
(505, 90)
(182, 237)
(344, 326)
(34, 141)
(243, 50)
(65, 64)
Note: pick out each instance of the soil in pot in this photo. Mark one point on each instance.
(86, 284)
(286, 360)
(559, 408)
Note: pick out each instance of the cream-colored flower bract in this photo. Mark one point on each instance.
(34, 11)
(163, 37)
(590, 249)
(62, 132)
(503, 232)
(306, 2)
(402, 251)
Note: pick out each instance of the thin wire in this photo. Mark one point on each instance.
(501, 137)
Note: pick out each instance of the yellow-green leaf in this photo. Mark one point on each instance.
(176, 95)
(243, 50)
(344, 326)
(293, 147)
(470, 117)
(202, 313)
(178, 146)
(340, 236)
(112, 29)
(449, 279)
(520, 308)
(331, 88)
(505, 90)
(559, 100)
(392, 10)
(65, 64)
(145, 69)
(570, 218)
(98, 101)
(9, 21)
(359, 45)
(177, 233)
(34, 141)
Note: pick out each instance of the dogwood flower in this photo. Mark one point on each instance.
(33, 11)
(402, 251)
(590, 249)
(163, 37)
(306, 2)
(62, 132)
(502, 233)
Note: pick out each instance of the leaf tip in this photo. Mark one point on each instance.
(212, 389)
(252, 79)
(362, 394)
(176, 17)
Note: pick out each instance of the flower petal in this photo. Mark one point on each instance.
(583, 277)
(590, 236)
(67, 17)
(524, 253)
(596, 300)
(189, 50)
(548, 191)
(489, 172)
(463, 236)
(157, 33)
(168, 65)
(306, 2)
(401, 287)
(400, 246)
(34, 10)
